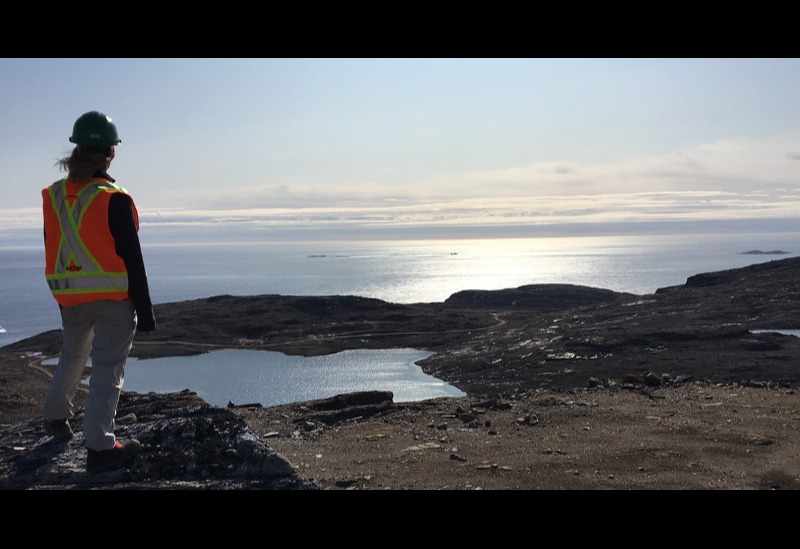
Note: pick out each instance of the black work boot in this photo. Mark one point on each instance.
(121, 455)
(59, 429)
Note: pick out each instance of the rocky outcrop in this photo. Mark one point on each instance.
(708, 328)
(186, 444)
(335, 409)
(540, 297)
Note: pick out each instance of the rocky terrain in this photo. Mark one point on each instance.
(568, 388)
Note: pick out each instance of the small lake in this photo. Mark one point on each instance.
(271, 378)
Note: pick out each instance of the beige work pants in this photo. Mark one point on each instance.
(103, 330)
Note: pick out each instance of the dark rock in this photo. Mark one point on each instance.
(541, 297)
(344, 407)
(652, 380)
(186, 444)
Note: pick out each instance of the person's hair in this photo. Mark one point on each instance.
(85, 161)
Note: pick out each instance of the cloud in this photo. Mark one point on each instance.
(519, 211)
(724, 179)
(20, 218)
(729, 165)
(496, 211)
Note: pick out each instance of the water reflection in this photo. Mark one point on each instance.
(271, 378)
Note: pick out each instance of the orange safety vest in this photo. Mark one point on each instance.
(81, 264)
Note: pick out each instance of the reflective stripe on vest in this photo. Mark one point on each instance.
(90, 276)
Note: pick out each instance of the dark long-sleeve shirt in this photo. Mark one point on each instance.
(122, 224)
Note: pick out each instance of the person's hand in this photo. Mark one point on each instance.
(146, 322)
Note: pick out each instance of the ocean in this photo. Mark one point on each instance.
(197, 263)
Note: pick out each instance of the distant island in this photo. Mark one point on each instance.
(761, 252)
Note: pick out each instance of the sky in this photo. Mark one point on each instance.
(377, 143)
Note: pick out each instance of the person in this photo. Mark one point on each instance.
(96, 273)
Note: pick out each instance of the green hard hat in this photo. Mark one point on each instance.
(94, 128)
